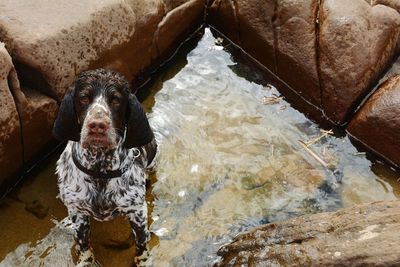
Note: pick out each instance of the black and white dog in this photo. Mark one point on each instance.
(101, 173)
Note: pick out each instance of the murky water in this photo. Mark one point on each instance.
(233, 154)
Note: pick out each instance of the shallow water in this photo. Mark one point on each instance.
(230, 159)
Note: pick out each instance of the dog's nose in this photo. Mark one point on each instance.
(97, 126)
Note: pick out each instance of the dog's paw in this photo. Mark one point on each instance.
(86, 259)
(143, 257)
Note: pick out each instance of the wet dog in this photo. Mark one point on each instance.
(102, 171)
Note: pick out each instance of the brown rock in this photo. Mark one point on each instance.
(222, 16)
(296, 47)
(37, 113)
(365, 235)
(52, 42)
(11, 157)
(256, 29)
(132, 57)
(395, 4)
(356, 43)
(377, 123)
(177, 25)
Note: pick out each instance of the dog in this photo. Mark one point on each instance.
(102, 171)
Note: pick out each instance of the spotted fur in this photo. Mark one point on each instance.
(85, 195)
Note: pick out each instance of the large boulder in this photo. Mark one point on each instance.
(52, 42)
(296, 49)
(365, 235)
(11, 155)
(356, 43)
(377, 123)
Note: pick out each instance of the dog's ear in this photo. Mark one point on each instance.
(138, 131)
(66, 127)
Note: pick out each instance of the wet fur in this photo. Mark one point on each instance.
(103, 199)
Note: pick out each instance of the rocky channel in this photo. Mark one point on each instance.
(339, 57)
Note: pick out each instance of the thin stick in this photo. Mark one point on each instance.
(312, 153)
(324, 134)
(271, 100)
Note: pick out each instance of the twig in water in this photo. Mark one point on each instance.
(312, 153)
(324, 134)
(359, 154)
(271, 100)
(272, 150)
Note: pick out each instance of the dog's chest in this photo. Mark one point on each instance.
(100, 198)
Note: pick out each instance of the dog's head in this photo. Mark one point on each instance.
(99, 111)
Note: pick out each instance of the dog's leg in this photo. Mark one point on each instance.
(138, 220)
(82, 231)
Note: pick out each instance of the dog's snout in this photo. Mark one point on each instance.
(97, 126)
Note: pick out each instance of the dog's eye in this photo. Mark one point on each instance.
(115, 101)
(85, 100)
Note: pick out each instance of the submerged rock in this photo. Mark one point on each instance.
(365, 235)
(37, 208)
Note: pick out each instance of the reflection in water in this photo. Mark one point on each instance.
(230, 159)
(53, 250)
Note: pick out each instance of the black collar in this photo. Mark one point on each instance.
(96, 174)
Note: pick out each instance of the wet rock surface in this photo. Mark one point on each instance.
(364, 235)
(11, 153)
(377, 123)
(331, 52)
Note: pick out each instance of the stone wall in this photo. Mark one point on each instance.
(331, 53)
